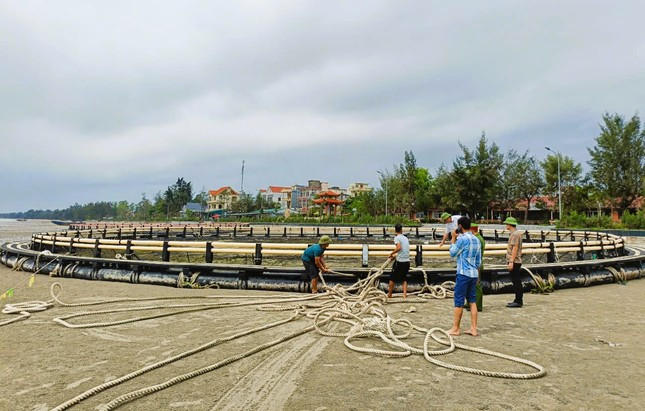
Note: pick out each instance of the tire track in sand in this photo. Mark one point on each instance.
(269, 385)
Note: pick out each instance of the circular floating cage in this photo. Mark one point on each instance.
(267, 257)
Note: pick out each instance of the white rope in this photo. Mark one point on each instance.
(359, 308)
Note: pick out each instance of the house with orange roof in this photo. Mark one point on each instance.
(222, 199)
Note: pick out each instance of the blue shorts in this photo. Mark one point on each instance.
(465, 289)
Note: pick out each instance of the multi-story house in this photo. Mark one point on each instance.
(222, 199)
(358, 188)
(276, 194)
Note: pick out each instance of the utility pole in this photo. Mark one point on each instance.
(384, 179)
(242, 185)
(559, 188)
(203, 209)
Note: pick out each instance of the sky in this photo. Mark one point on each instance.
(103, 101)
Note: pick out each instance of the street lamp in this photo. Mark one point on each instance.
(384, 179)
(559, 188)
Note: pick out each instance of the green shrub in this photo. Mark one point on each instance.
(632, 221)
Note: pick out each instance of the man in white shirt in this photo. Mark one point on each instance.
(401, 256)
(451, 225)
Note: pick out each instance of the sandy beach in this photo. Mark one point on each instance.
(589, 340)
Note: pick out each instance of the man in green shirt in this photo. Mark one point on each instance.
(514, 261)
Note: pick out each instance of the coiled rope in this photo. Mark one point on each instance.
(359, 307)
(24, 309)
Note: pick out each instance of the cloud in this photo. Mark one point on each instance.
(105, 100)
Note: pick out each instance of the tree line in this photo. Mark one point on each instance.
(166, 204)
(484, 178)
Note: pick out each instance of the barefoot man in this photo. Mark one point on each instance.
(466, 247)
(314, 262)
(401, 256)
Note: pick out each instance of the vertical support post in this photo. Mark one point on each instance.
(54, 243)
(167, 232)
(335, 232)
(527, 235)
(128, 249)
(118, 233)
(165, 254)
(284, 233)
(434, 234)
(368, 231)
(71, 245)
(418, 259)
(90, 234)
(317, 232)
(78, 233)
(234, 231)
(134, 233)
(601, 254)
(366, 256)
(384, 233)
(257, 258)
(351, 231)
(417, 231)
(201, 231)
(550, 257)
(184, 233)
(97, 250)
(104, 232)
(580, 255)
(302, 232)
(251, 232)
(268, 232)
(209, 252)
(496, 236)
(542, 235)
(217, 231)
(557, 235)
(150, 233)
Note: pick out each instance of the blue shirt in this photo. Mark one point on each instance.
(312, 252)
(467, 249)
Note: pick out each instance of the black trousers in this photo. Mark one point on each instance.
(516, 278)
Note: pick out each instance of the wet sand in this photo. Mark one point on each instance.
(43, 364)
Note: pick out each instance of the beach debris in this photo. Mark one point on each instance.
(609, 343)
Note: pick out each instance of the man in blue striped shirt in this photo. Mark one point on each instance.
(467, 248)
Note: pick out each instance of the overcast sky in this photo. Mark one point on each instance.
(106, 100)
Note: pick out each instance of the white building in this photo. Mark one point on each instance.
(277, 194)
(358, 188)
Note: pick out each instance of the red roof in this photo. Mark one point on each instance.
(277, 189)
(328, 201)
(328, 193)
(220, 190)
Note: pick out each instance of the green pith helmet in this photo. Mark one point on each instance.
(324, 240)
(511, 221)
(474, 225)
(445, 216)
